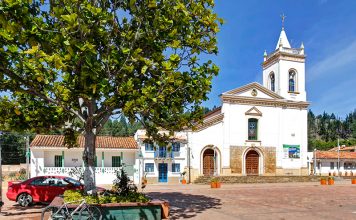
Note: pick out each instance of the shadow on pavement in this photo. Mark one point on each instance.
(186, 205)
(17, 210)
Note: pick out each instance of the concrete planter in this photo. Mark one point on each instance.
(153, 210)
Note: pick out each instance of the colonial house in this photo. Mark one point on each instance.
(50, 157)
(327, 162)
(258, 129)
(162, 163)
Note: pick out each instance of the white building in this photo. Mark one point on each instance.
(50, 157)
(162, 163)
(327, 162)
(258, 129)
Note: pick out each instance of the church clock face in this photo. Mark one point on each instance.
(254, 92)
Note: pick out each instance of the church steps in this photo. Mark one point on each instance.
(257, 179)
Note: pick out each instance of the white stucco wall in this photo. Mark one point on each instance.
(43, 159)
(198, 140)
(149, 156)
(277, 126)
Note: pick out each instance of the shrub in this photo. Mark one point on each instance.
(122, 191)
(12, 175)
(76, 196)
(215, 180)
(122, 185)
(22, 171)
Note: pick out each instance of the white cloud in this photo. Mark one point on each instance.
(334, 62)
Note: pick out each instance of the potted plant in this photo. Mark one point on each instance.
(353, 181)
(322, 181)
(330, 180)
(183, 177)
(215, 183)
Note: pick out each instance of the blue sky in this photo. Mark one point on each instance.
(327, 28)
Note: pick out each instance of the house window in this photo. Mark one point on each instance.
(272, 81)
(292, 80)
(176, 167)
(149, 168)
(252, 128)
(332, 166)
(116, 161)
(58, 161)
(176, 147)
(348, 166)
(149, 147)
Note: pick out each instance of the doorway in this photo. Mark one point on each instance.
(252, 162)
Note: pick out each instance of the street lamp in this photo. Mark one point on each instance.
(214, 148)
(140, 156)
(314, 161)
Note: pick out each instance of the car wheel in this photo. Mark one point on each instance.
(24, 199)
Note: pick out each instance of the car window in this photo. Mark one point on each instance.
(72, 181)
(42, 181)
(60, 182)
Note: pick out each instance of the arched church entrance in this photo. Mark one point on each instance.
(252, 162)
(208, 162)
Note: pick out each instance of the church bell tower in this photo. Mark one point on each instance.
(284, 69)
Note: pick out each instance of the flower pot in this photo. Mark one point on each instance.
(218, 184)
(323, 182)
(184, 182)
(353, 181)
(330, 182)
(213, 185)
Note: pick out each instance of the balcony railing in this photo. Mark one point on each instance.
(98, 170)
(163, 154)
(295, 51)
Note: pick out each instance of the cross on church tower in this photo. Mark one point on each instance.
(283, 18)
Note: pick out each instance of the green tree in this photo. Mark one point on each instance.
(91, 59)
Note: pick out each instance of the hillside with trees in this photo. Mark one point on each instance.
(325, 129)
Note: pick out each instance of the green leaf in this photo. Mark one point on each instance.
(152, 4)
(144, 68)
(174, 57)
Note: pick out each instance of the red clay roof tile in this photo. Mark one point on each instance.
(101, 141)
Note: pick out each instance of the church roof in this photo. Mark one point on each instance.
(283, 40)
(253, 85)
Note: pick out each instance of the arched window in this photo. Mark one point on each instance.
(292, 81)
(272, 81)
(252, 128)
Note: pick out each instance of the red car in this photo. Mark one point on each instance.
(40, 189)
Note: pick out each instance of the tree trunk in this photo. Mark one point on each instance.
(89, 161)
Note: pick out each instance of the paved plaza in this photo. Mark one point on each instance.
(241, 201)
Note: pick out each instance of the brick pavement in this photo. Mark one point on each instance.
(260, 201)
(242, 201)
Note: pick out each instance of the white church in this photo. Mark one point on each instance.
(259, 129)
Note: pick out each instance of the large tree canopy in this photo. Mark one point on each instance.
(90, 59)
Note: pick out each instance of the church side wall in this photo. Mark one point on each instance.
(198, 140)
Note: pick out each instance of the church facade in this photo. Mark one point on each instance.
(258, 129)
